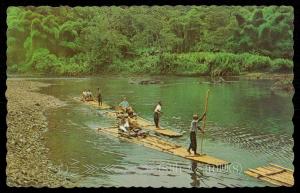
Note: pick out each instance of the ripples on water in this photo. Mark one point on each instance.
(279, 147)
(73, 141)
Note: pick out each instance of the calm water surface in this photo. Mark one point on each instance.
(247, 125)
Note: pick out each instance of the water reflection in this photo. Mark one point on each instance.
(196, 175)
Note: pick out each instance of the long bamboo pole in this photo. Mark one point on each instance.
(204, 121)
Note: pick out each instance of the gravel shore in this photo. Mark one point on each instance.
(27, 162)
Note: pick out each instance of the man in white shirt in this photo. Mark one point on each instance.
(157, 112)
(193, 129)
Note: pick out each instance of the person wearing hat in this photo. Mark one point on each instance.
(157, 112)
(193, 129)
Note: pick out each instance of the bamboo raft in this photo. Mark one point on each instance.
(154, 142)
(143, 123)
(94, 103)
(273, 174)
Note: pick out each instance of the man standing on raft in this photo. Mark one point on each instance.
(99, 97)
(193, 129)
(157, 112)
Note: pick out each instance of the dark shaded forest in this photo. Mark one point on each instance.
(202, 40)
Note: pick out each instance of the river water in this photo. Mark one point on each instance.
(247, 125)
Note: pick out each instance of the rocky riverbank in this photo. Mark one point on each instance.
(27, 162)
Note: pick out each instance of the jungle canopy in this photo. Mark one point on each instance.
(205, 40)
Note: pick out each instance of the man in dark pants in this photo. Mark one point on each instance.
(99, 97)
(157, 113)
(193, 129)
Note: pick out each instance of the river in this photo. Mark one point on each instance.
(247, 125)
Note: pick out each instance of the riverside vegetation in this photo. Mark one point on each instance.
(188, 40)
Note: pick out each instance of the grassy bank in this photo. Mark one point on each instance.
(203, 63)
(192, 63)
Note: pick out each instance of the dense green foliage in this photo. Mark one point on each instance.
(214, 40)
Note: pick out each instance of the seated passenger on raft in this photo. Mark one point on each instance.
(130, 128)
(124, 125)
(89, 95)
(124, 105)
(83, 95)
